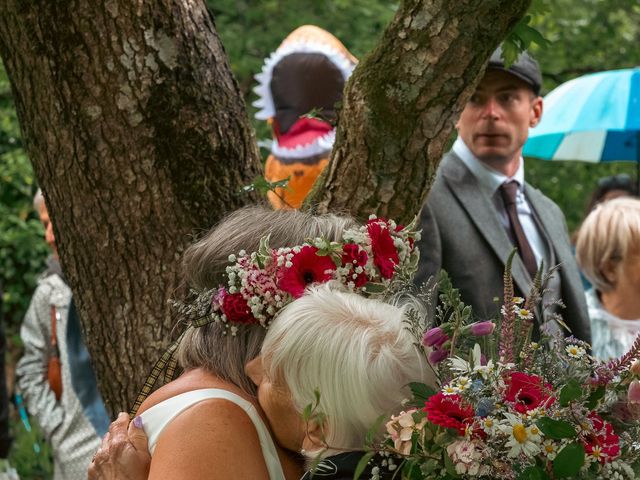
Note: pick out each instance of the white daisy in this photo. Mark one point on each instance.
(523, 439)
(550, 449)
(574, 351)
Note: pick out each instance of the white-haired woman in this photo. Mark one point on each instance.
(354, 351)
(608, 251)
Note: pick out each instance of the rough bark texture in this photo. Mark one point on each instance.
(139, 138)
(402, 100)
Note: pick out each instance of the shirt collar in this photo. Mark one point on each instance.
(488, 178)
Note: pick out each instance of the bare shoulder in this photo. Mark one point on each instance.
(188, 381)
(214, 439)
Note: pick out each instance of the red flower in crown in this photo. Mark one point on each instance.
(385, 255)
(527, 392)
(235, 308)
(449, 411)
(603, 443)
(354, 256)
(306, 268)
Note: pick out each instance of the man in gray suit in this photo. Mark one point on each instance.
(480, 208)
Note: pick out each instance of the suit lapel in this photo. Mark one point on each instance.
(551, 223)
(482, 213)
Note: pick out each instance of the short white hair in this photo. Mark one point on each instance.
(609, 234)
(355, 351)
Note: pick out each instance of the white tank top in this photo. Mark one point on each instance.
(156, 418)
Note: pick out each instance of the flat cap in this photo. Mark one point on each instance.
(525, 68)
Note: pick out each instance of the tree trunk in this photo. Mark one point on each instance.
(139, 138)
(402, 100)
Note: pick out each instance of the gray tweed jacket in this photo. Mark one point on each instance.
(462, 234)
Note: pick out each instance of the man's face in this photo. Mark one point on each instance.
(495, 122)
(48, 228)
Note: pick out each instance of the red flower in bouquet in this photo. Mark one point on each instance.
(306, 268)
(354, 256)
(449, 411)
(603, 443)
(235, 308)
(527, 392)
(385, 255)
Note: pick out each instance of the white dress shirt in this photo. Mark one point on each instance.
(490, 181)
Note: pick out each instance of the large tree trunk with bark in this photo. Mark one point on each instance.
(139, 138)
(402, 100)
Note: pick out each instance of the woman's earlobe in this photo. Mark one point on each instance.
(316, 434)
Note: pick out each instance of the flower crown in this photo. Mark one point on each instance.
(260, 284)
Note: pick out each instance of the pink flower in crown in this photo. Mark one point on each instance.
(354, 256)
(235, 308)
(306, 268)
(259, 281)
(385, 254)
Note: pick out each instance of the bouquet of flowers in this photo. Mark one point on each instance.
(511, 408)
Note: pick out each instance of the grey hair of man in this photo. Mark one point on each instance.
(204, 264)
(38, 201)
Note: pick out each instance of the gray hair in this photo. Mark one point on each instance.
(38, 201)
(204, 265)
(609, 234)
(330, 334)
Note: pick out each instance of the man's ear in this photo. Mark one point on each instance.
(536, 112)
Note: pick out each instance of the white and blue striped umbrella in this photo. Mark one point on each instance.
(594, 118)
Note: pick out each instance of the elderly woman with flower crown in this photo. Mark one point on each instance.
(200, 415)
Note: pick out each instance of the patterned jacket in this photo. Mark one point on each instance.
(73, 439)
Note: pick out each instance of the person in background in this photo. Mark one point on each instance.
(607, 188)
(608, 251)
(480, 207)
(54, 404)
(5, 437)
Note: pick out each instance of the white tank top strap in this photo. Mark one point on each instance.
(156, 418)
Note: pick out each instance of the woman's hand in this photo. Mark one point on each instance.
(124, 454)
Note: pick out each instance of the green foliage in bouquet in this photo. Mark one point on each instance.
(507, 407)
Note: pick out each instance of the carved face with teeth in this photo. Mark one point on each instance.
(300, 85)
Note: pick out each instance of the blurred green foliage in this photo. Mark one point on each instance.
(22, 248)
(30, 455)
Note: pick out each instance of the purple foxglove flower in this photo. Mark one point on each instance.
(481, 329)
(437, 355)
(434, 337)
(633, 395)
